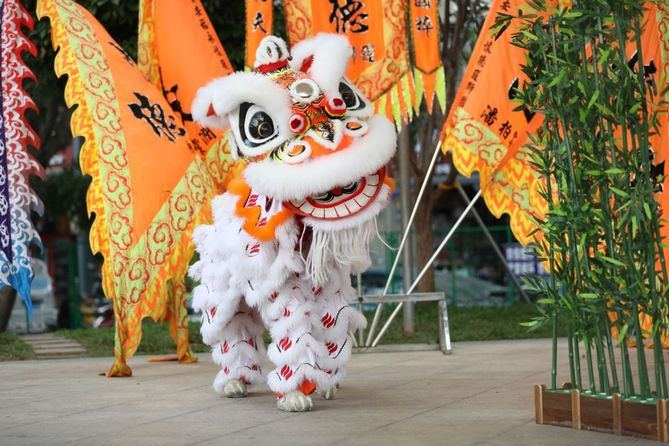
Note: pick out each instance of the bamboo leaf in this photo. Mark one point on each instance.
(529, 324)
(593, 99)
(619, 192)
(611, 260)
(588, 296)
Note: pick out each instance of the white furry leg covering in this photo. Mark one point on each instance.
(240, 351)
(290, 315)
(336, 320)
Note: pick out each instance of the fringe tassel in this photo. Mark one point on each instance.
(347, 247)
(400, 103)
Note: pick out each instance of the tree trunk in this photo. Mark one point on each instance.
(7, 299)
(424, 246)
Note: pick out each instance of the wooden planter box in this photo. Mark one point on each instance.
(571, 409)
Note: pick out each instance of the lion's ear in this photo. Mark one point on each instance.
(325, 58)
(272, 54)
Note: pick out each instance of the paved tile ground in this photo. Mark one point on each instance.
(48, 345)
(480, 395)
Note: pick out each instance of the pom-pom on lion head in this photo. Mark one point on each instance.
(308, 134)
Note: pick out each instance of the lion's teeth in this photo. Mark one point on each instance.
(352, 206)
(342, 211)
(369, 191)
(330, 213)
(307, 208)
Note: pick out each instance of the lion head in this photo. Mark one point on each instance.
(308, 135)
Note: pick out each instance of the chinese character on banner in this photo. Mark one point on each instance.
(348, 15)
(428, 71)
(424, 24)
(162, 123)
(259, 24)
(485, 129)
(490, 115)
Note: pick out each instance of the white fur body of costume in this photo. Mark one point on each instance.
(294, 224)
(247, 285)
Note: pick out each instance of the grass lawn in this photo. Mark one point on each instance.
(13, 348)
(467, 324)
(156, 339)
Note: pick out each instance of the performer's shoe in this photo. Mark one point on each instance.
(294, 401)
(328, 394)
(235, 389)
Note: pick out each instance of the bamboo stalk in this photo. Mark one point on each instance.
(644, 385)
(627, 369)
(604, 384)
(591, 373)
(612, 355)
(554, 353)
(577, 364)
(570, 344)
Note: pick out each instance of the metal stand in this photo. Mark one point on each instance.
(424, 270)
(401, 299)
(407, 229)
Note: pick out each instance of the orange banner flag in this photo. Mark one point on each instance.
(161, 59)
(655, 49)
(149, 188)
(655, 53)
(259, 24)
(377, 31)
(428, 70)
(487, 134)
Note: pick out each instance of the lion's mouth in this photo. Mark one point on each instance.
(343, 201)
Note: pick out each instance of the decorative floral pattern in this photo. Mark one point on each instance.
(17, 199)
(513, 189)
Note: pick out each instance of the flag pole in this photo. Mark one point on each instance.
(427, 266)
(495, 248)
(398, 255)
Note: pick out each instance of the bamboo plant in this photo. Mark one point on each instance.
(601, 235)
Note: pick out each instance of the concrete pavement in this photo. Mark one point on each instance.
(480, 395)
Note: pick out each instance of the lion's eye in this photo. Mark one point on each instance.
(348, 95)
(260, 126)
(256, 126)
(256, 132)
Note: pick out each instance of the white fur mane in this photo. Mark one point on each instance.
(331, 53)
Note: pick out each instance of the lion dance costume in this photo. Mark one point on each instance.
(296, 222)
